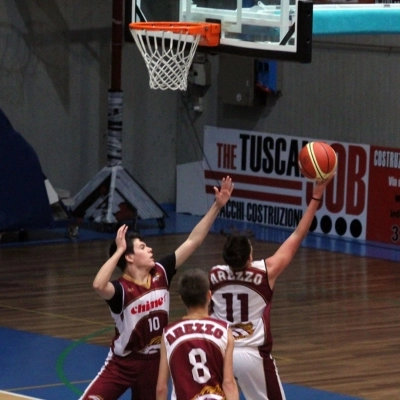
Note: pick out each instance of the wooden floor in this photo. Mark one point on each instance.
(335, 317)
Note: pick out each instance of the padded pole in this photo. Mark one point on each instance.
(115, 95)
(116, 48)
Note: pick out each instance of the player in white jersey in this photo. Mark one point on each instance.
(242, 293)
(139, 305)
(197, 350)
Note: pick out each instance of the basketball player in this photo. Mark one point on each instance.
(242, 293)
(197, 351)
(139, 305)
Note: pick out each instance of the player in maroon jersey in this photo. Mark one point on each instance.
(139, 305)
(242, 293)
(197, 350)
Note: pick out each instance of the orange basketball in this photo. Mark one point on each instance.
(317, 160)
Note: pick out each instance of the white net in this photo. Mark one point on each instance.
(167, 55)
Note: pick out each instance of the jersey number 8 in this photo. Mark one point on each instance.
(198, 358)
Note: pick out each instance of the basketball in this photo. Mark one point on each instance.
(317, 160)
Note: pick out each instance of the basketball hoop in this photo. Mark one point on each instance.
(168, 49)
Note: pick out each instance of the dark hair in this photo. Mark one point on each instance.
(237, 250)
(129, 238)
(193, 287)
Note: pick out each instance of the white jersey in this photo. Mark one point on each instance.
(243, 298)
(144, 314)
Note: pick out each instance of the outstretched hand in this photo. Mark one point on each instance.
(199, 232)
(120, 240)
(321, 185)
(223, 194)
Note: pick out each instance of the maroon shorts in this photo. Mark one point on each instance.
(122, 373)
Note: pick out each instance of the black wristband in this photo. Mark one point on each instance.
(314, 198)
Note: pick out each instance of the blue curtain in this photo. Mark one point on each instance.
(24, 202)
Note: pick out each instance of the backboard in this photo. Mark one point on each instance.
(268, 29)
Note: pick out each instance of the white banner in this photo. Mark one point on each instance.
(270, 190)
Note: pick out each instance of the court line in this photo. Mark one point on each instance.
(61, 359)
(49, 385)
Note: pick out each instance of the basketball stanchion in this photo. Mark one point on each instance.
(168, 49)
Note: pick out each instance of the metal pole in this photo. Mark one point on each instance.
(116, 48)
(115, 94)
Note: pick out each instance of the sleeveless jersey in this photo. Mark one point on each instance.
(195, 352)
(139, 326)
(243, 298)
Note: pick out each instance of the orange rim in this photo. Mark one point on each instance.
(210, 32)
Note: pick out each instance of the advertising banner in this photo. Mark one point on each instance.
(384, 195)
(270, 190)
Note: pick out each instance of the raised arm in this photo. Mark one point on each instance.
(163, 374)
(199, 232)
(101, 283)
(229, 385)
(277, 263)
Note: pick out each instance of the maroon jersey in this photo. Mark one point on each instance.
(195, 351)
(144, 314)
(140, 313)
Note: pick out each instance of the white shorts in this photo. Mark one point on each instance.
(257, 376)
